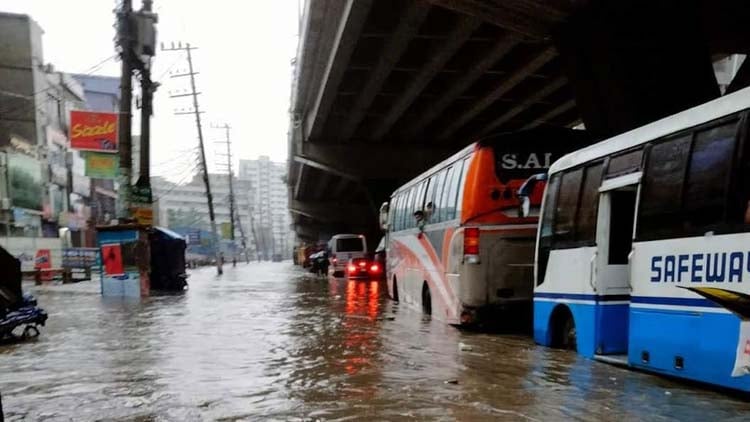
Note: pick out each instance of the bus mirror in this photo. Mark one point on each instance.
(526, 191)
(384, 216)
(525, 206)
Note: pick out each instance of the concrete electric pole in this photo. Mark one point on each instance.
(230, 173)
(196, 111)
(126, 40)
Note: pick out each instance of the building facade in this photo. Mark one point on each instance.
(45, 189)
(271, 210)
(184, 206)
(102, 93)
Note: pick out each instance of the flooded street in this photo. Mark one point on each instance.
(268, 341)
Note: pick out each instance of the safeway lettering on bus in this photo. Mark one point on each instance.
(717, 267)
(522, 161)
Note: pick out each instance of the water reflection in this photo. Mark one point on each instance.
(267, 341)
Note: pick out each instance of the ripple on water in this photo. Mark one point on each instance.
(267, 341)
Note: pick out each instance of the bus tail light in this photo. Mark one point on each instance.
(471, 245)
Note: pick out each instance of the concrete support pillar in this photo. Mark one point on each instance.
(635, 61)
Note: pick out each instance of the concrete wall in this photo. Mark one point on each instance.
(25, 248)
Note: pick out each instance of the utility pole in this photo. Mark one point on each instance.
(148, 87)
(232, 207)
(243, 239)
(255, 235)
(126, 42)
(196, 110)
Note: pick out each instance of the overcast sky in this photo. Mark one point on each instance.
(244, 60)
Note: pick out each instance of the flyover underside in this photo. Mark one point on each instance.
(383, 89)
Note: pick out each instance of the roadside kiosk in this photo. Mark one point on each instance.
(125, 260)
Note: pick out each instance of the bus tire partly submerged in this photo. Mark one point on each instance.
(426, 299)
(394, 290)
(563, 328)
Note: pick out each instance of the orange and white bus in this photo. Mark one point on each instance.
(456, 245)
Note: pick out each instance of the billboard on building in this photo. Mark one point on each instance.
(93, 131)
(226, 230)
(25, 182)
(102, 165)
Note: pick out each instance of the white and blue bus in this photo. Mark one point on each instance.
(643, 251)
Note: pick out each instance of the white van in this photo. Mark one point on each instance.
(342, 248)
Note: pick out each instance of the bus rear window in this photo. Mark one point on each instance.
(521, 166)
(523, 154)
(351, 244)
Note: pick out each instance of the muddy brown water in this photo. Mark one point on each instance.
(270, 342)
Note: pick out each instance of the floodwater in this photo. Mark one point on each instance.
(270, 342)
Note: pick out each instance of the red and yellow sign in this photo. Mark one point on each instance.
(143, 215)
(93, 131)
(112, 259)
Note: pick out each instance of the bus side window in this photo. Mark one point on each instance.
(589, 205)
(445, 201)
(419, 199)
(567, 205)
(429, 198)
(394, 213)
(628, 162)
(453, 191)
(407, 208)
(707, 182)
(547, 228)
(461, 187)
(661, 194)
(400, 212)
(438, 196)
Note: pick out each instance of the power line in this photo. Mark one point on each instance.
(19, 112)
(232, 207)
(178, 183)
(178, 159)
(163, 74)
(196, 111)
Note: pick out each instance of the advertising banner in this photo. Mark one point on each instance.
(43, 259)
(102, 165)
(112, 259)
(79, 257)
(143, 215)
(226, 231)
(194, 237)
(26, 187)
(93, 131)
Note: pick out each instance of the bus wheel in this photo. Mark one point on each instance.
(563, 328)
(426, 300)
(394, 296)
(569, 334)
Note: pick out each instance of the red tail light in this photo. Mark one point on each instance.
(374, 268)
(471, 241)
(333, 257)
(352, 268)
(362, 263)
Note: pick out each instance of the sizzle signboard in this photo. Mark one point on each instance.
(93, 131)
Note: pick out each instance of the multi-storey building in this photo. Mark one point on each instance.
(271, 210)
(102, 93)
(184, 206)
(44, 185)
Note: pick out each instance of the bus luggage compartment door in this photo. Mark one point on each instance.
(510, 272)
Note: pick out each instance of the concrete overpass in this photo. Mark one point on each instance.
(385, 88)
